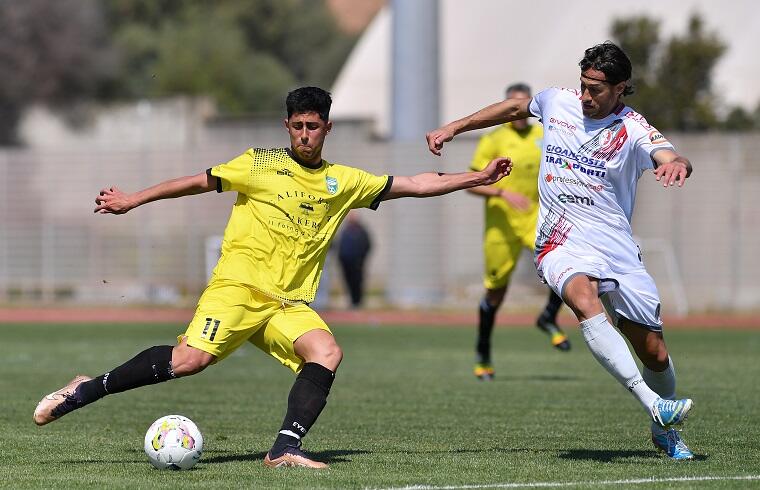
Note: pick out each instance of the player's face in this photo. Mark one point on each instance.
(518, 94)
(598, 96)
(307, 135)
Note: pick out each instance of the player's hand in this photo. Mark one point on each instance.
(112, 201)
(516, 200)
(437, 137)
(673, 172)
(497, 169)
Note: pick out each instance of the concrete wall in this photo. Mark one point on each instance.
(53, 248)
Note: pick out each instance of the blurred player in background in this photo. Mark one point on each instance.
(289, 205)
(510, 226)
(354, 245)
(595, 149)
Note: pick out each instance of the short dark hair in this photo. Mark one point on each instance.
(609, 59)
(309, 99)
(518, 87)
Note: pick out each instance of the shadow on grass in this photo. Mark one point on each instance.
(612, 456)
(538, 377)
(101, 461)
(465, 450)
(220, 456)
(332, 457)
(341, 456)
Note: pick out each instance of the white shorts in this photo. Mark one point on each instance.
(631, 294)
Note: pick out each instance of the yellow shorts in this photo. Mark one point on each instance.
(501, 253)
(229, 313)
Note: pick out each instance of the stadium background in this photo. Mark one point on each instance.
(80, 293)
(699, 242)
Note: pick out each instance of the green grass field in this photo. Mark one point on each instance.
(404, 411)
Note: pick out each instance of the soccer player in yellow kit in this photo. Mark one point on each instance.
(510, 226)
(289, 204)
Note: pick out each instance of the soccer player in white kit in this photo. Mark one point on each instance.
(595, 148)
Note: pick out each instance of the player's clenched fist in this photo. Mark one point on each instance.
(497, 169)
(437, 138)
(112, 201)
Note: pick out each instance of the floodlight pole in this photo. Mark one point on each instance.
(416, 267)
(415, 69)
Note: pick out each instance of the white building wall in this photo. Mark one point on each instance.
(488, 44)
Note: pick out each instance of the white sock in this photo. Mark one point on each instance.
(663, 383)
(611, 351)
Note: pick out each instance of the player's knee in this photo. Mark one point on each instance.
(658, 359)
(328, 355)
(495, 296)
(188, 360)
(319, 346)
(332, 356)
(585, 306)
(581, 295)
(652, 351)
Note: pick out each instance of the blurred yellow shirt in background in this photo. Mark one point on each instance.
(524, 148)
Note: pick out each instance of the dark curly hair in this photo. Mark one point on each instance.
(309, 99)
(518, 87)
(609, 59)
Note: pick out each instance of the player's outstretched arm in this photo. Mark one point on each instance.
(671, 168)
(113, 201)
(435, 184)
(518, 201)
(498, 113)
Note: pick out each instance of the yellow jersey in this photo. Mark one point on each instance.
(524, 148)
(284, 217)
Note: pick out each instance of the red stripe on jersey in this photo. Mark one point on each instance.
(557, 237)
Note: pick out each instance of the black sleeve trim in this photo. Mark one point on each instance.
(218, 180)
(382, 194)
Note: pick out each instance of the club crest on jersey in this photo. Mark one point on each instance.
(332, 184)
(607, 142)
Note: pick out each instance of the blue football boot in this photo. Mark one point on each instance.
(669, 442)
(668, 413)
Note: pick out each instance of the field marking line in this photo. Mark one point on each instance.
(637, 481)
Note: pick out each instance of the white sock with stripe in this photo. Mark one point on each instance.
(611, 351)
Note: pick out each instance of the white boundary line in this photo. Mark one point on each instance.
(638, 481)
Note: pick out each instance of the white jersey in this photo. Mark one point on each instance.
(588, 177)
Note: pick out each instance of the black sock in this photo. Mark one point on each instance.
(307, 398)
(487, 317)
(553, 304)
(150, 366)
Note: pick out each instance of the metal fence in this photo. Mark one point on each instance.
(699, 242)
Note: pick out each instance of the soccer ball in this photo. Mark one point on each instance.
(173, 442)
